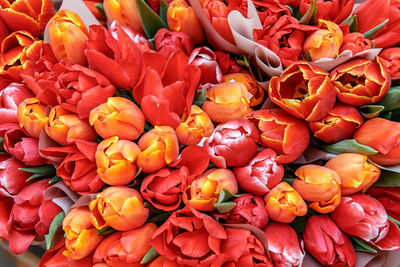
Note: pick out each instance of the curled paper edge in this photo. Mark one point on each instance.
(80, 8)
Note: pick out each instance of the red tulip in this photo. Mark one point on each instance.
(389, 197)
(10, 98)
(391, 59)
(167, 42)
(5, 208)
(332, 10)
(355, 42)
(233, 143)
(261, 174)
(217, 13)
(329, 245)
(205, 59)
(227, 64)
(12, 180)
(285, 249)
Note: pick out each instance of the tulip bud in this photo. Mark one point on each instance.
(329, 245)
(10, 98)
(117, 117)
(123, 11)
(159, 147)
(389, 197)
(63, 127)
(319, 185)
(120, 207)
(181, 17)
(205, 59)
(285, 248)
(12, 179)
(391, 58)
(355, 42)
(340, 123)
(167, 42)
(81, 237)
(324, 43)
(284, 204)
(355, 172)
(31, 116)
(217, 13)
(227, 101)
(116, 161)
(255, 90)
(360, 81)
(68, 34)
(204, 190)
(194, 126)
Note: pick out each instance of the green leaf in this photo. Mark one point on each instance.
(312, 10)
(349, 146)
(299, 223)
(224, 207)
(388, 179)
(243, 60)
(35, 176)
(352, 22)
(150, 255)
(395, 221)
(288, 180)
(391, 100)
(200, 97)
(55, 180)
(44, 169)
(224, 196)
(100, 7)
(163, 11)
(106, 231)
(54, 226)
(290, 9)
(371, 32)
(148, 127)
(361, 246)
(151, 21)
(387, 116)
(371, 111)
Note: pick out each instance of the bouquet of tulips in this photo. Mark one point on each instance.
(201, 132)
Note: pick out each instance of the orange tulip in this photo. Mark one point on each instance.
(31, 116)
(120, 207)
(159, 147)
(324, 43)
(123, 11)
(284, 204)
(255, 90)
(194, 126)
(320, 186)
(227, 101)
(181, 17)
(125, 248)
(63, 127)
(205, 190)
(68, 34)
(116, 161)
(355, 172)
(81, 237)
(118, 117)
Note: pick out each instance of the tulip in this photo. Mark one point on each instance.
(189, 237)
(361, 82)
(355, 173)
(286, 135)
(324, 43)
(181, 17)
(125, 248)
(5, 205)
(117, 117)
(329, 245)
(389, 197)
(32, 116)
(162, 261)
(137, 37)
(164, 189)
(261, 174)
(195, 158)
(391, 59)
(303, 90)
(30, 217)
(355, 42)
(284, 246)
(10, 98)
(217, 13)
(116, 161)
(233, 143)
(284, 204)
(204, 190)
(123, 11)
(81, 238)
(194, 126)
(205, 59)
(12, 179)
(120, 207)
(365, 217)
(319, 185)
(92, 5)
(255, 90)
(63, 127)
(227, 64)
(167, 42)
(382, 135)
(340, 123)
(68, 34)
(227, 101)
(159, 147)
(334, 11)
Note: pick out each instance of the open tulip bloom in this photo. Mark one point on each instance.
(201, 132)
